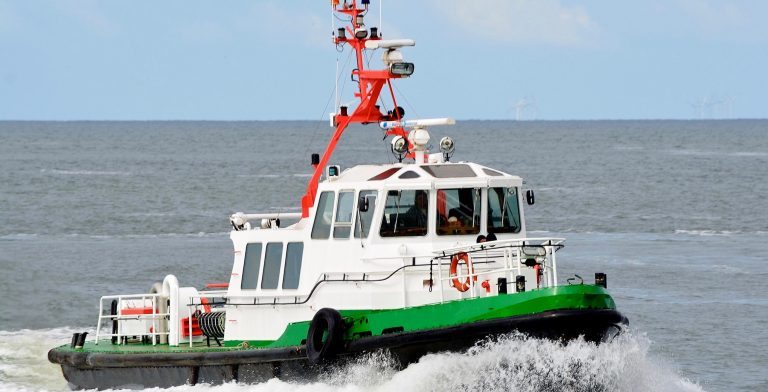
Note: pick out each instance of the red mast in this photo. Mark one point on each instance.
(370, 83)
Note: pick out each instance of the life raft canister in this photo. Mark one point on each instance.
(462, 286)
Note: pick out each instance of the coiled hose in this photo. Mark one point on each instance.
(212, 324)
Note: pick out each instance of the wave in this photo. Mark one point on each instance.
(35, 236)
(272, 175)
(24, 362)
(510, 363)
(735, 154)
(85, 172)
(724, 233)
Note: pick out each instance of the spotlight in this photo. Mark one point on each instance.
(447, 145)
(359, 20)
(361, 33)
(402, 69)
(342, 34)
(399, 147)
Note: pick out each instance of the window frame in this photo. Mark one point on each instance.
(488, 223)
(430, 210)
(318, 216)
(279, 266)
(285, 265)
(373, 211)
(260, 266)
(477, 211)
(349, 225)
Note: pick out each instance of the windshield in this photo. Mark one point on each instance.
(503, 210)
(458, 211)
(405, 213)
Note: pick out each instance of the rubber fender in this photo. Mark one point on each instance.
(326, 323)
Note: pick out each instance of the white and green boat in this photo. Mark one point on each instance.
(420, 256)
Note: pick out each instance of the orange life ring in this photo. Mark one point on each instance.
(462, 256)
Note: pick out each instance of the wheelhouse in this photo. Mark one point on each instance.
(446, 201)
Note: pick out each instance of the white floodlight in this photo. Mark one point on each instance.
(447, 145)
(399, 145)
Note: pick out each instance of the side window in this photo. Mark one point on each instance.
(251, 265)
(343, 224)
(292, 271)
(365, 219)
(406, 213)
(323, 215)
(458, 211)
(272, 259)
(503, 210)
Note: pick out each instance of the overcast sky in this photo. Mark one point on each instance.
(266, 60)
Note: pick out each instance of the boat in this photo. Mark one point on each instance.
(418, 255)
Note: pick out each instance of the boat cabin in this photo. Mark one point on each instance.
(379, 223)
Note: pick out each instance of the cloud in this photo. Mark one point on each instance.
(523, 22)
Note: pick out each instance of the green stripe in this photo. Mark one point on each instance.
(417, 318)
(459, 312)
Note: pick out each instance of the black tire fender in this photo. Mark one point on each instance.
(326, 323)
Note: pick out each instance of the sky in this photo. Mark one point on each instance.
(479, 59)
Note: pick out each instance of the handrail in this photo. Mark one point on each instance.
(143, 298)
(499, 248)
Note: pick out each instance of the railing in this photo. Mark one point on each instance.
(121, 315)
(512, 252)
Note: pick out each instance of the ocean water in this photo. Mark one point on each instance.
(675, 212)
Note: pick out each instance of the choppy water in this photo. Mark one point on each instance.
(675, 212)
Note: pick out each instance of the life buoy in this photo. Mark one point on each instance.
(325, 336)
(459, 285)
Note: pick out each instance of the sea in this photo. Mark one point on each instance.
(674, 212)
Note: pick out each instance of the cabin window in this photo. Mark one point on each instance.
(385, 174)
(272, 259)
(343, 224)
(405, 213)
(251, 266)
(293, 255)
(365, 219)
(503, 210)
(449, 171)
(409, 174)
(458, 211)
(322, 227)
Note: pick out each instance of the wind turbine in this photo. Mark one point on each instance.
(522, 105)
(705, 106)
